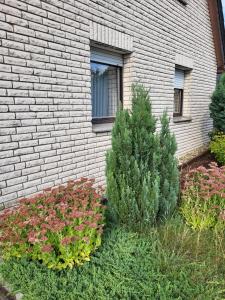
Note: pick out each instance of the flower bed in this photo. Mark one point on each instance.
(60, 227)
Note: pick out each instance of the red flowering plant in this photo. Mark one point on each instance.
(203, 197)
(60, 227)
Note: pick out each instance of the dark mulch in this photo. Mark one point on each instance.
(203, 160)
(4, 294)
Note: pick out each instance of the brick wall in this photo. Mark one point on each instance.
(46, 135)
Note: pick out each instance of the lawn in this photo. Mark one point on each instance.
(167, 262)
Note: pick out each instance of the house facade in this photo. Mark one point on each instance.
(66, 66)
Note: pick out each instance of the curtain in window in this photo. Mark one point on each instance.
(105, 90)
(99, 91)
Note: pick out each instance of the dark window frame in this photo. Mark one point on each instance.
(180, 113)
(104, 120)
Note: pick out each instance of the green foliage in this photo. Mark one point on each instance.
(132, 176)
(171, 262)
(168, 170)
(203, 199)
(136, 162)
(217, 106)
(217, 147)
(60, 227)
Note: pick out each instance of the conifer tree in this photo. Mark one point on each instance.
(132, 164)
(168, 170)
(217, 106)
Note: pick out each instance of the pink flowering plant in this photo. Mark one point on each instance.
(203, 198)
(60, 227)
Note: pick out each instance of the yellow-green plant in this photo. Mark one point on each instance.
(203, 198)
(60, 227)
(217, 147)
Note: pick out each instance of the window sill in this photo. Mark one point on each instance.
(182, 119)
(102, 127)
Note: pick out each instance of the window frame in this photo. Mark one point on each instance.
(180, 113)
(104, 120)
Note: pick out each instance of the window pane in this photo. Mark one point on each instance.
(178, 94)
(105, 90)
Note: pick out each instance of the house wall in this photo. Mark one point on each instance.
(46, 134)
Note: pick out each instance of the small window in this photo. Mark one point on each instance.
(106, 85)
(178, 92)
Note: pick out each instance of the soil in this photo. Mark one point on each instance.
(203, 160)
(4, 294)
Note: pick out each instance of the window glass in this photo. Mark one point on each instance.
(105, 89)
(178, 102)
(179, 79)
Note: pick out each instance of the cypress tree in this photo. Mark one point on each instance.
(168, 170)
(217, 106)
(132, 164)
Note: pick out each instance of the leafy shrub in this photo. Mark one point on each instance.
(217, 106)
(217, 147)
(203, 198)
(60, 227)
(138, 154)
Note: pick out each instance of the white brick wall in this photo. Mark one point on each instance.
(46, 134)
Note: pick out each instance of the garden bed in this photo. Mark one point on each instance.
(202, 160)
(168, 262)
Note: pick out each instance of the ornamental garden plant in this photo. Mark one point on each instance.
(142, 172)
(217, 106)
(60, 227)
(203, 198)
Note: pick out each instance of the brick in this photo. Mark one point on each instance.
(8, 146)
(34, 49)
(17, 4)
(15, 61)
(17, 37)
(21, 137)
(24, 31)
(17, 21)
(26, 192)
(8, 76)
(5, 26)
(12, 189)
(5, 139)
(5, 84)
(16, 181)
(16, 108)
(12, 44)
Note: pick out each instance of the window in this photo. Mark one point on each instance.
(178, 92)
(106, 84)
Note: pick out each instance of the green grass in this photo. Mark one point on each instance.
(168, 262)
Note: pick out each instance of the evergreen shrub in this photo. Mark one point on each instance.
(138, 192)
(217, 106)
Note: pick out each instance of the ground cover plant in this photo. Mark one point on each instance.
(203, 198)
(60, 227)
(168, 262)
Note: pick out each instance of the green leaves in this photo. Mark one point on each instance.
(142, 174)
(132, 176)
(217, 147)
(60, 227)
(217, 106)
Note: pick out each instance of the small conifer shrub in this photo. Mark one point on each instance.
(217, 106)
(135, 185)
(168, 170)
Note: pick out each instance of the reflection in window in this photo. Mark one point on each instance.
(105, 89)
